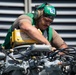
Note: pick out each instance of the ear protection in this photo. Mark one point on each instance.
(39, 10)
(46, 10)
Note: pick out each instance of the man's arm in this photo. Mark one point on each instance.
(57, 41)
(32, 31)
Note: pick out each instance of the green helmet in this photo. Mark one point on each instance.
(49, 11)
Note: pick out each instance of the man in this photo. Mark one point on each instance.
(31, 22)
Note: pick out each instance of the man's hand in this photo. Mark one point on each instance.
(53, 49)
(60, 53)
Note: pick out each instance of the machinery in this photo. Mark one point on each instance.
(37, 60)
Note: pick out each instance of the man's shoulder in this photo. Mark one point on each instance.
(31, 15)
(24, 16)
(51, 29)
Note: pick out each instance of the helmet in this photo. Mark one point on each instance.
(49, 11)
(46, 10)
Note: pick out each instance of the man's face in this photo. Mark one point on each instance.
(44, 22)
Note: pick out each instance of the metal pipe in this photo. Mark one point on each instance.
(25, 6)
(29, 6)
